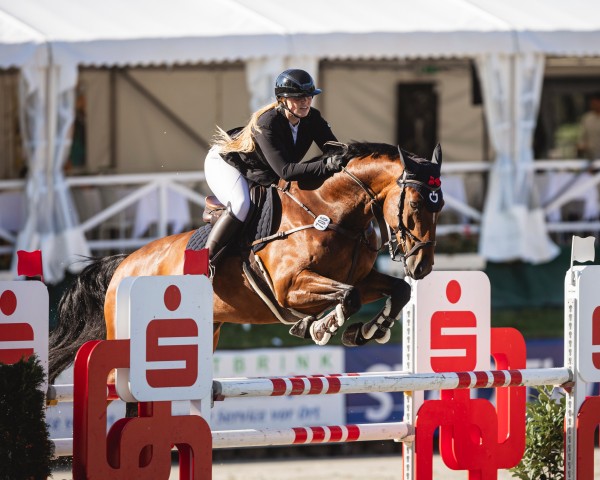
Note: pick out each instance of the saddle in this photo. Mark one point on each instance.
(265, 211)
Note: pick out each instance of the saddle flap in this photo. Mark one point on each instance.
(213, 203)
(212, 209)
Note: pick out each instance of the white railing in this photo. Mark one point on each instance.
(579, 183)
(140, 186)
(107, 220)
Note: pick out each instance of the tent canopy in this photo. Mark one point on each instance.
(147, 32)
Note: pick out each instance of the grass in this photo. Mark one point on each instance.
(533, 323)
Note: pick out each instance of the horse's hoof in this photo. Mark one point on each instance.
(385, 338)
(301, 328)
(353, 336)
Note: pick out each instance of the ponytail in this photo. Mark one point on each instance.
(243, 141)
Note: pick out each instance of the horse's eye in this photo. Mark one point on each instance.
(415, 205)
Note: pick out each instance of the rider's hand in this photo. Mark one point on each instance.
(334, 164)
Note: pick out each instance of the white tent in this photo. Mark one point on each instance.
(509, 41)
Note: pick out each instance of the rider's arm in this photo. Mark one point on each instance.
(272, 142)
(275, 153)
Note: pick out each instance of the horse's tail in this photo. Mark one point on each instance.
(80, 314)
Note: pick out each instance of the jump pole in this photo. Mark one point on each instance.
(347, 383)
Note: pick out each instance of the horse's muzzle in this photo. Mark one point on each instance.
(420, 270)
(418, 262)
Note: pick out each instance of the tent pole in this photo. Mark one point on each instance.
(113, 118)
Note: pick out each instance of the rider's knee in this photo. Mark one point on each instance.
(240, 208)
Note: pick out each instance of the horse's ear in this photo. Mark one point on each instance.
(437, 155)
(401, 158)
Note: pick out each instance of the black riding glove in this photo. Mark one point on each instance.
(334, 164)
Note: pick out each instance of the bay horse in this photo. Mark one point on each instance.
(319, 262)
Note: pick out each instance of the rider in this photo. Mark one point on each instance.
(268, 148)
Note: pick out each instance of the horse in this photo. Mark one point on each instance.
(319, 261)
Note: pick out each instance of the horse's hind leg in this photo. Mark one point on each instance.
(371, 288)
(314, 293)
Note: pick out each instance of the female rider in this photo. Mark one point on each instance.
(268, 148)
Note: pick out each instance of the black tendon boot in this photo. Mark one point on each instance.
(222, 231)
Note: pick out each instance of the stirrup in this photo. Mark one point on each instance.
(211, 270)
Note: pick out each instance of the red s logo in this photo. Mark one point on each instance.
(188, 354)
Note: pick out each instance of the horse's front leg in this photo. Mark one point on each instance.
(373, 287)
(314, 293)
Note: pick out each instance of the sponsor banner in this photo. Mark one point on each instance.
(377, 406)
(243, 413)
(278, 412)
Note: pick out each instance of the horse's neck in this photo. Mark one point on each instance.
(345, 200)
(378, 175)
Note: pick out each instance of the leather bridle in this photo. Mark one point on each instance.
(404, 182)
(398, 252)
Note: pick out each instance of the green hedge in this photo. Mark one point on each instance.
(25, 446)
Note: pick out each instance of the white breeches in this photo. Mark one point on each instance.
(228, 185)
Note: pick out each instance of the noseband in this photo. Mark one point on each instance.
(398, 253)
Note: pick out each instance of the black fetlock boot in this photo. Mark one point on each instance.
(222, 231)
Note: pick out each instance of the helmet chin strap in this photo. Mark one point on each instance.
(285, 107)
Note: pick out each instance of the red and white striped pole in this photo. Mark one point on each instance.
(306, 435)
(365, 382)
(386, 382)
(398, 431)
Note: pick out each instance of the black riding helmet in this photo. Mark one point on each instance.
(295, 83)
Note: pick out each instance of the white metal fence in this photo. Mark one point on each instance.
(110, 211)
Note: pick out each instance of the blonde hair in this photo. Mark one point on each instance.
(243, 141)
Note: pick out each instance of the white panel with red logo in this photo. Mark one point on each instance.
(452, 322)
(169, 320)
(24, 322)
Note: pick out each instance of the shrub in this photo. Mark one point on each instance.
(543, 458)
(25, 446)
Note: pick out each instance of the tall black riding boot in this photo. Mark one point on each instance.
(222, 231)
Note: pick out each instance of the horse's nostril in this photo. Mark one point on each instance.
(421, 270)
